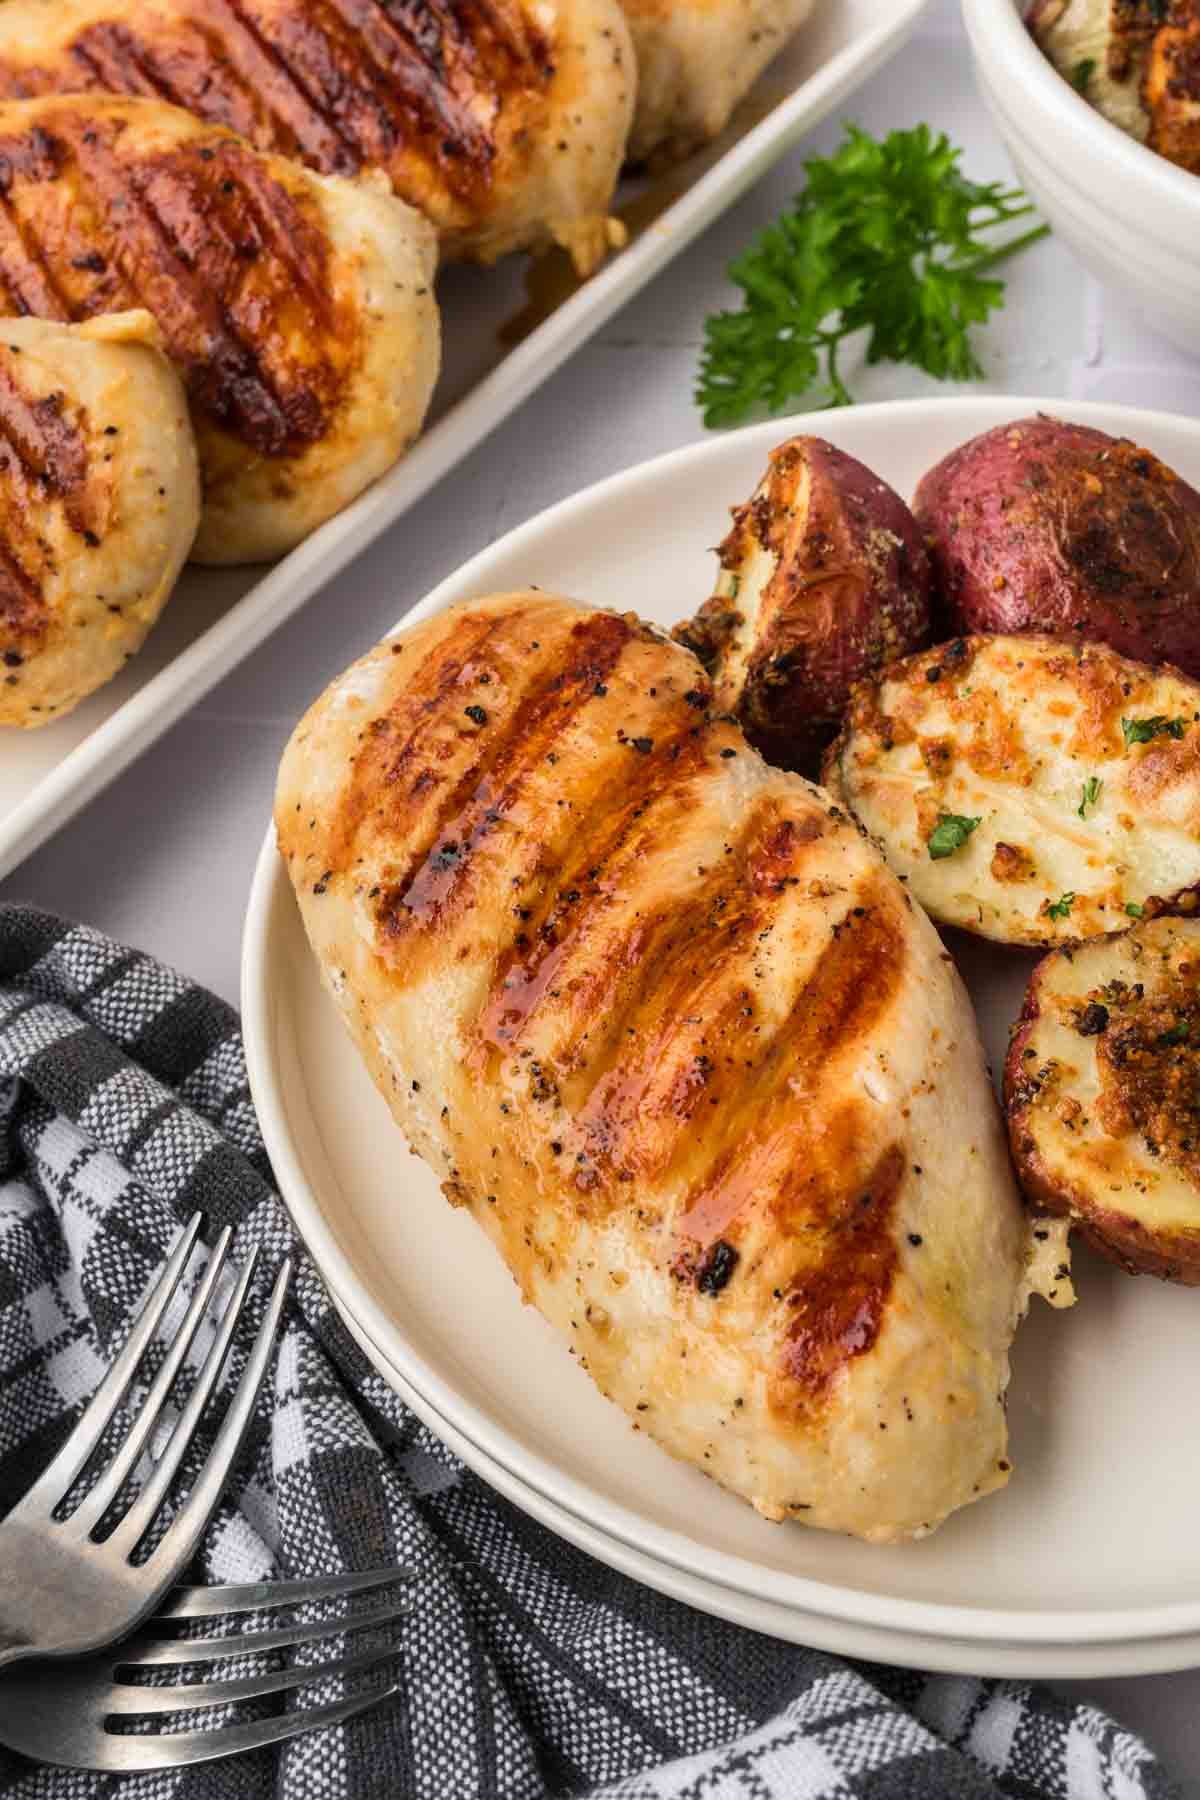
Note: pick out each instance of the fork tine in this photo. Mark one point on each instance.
(256, 1596)
(153, 1654)
(146, 1700)
(177, 1749)
(136, 1522)
(184, 1533)
(97, 1500)
(57, 1476)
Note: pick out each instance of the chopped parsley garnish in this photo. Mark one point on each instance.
(1140, 731)
(1134, 910)
(950, 834)
(1081, 74)
(1061, 908)
(1178, 1034)
(1090, 795)
(888, 237)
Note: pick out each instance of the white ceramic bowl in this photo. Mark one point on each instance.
(1131, 217)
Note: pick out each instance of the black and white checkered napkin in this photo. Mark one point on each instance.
(527, 1668)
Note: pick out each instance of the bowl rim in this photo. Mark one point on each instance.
(999, 25)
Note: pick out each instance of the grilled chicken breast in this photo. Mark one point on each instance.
(99, 502)
(695, 61)
(297, 307)
(1102, 1088)
(662, 1019)
(503, 121)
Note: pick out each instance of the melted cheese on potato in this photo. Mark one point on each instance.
(1102, 1091)
(1028, 789)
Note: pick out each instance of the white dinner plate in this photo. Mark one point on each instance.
(758, 1613)
(504, 331)
(1091, 1554)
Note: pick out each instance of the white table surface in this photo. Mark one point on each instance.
(163, 859)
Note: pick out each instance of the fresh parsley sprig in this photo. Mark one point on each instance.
(886, 237)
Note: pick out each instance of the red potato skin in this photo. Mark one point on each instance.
(1050, 527)
(852, 591)
(1118, 1236)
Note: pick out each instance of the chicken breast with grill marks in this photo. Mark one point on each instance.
(662, 1019)
(695, 60)
(297, 307)
(99, 501)
(504, 121)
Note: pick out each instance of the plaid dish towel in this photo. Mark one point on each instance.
(527, 1669)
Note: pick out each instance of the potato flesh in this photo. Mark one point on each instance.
(1138, 1201)
(1081, 33)
(1135, 61)
(824, 578)
(1015, 732)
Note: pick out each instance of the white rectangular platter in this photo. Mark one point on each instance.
(505, 330)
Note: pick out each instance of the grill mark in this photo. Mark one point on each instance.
(722, 917)
(245, 394)
(423, 31)
(223, 373)
(312, 123)
(107, 67)
(839, 1306)
(32, 286)
(49, 449)
(226, 75)
(429, 85)
(383, 764)
(338, 82)
(23, 615)
(359, 81)
(438, 877)
(277, 233)
(132, 66)
(613, 837)
(849, 989)
(186, 286)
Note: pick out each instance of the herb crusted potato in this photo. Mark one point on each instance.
(1102, 1092)
(1030, 790)
(1042, 525)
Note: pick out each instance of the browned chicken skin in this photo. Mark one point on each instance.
(502, 121)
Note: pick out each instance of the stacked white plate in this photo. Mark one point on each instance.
(1088, 1564)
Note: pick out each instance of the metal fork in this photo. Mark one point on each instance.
(63, 1713)
(63, 1592)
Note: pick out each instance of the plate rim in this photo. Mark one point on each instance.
(932, 1620)
(815, 1631)
(284, 587)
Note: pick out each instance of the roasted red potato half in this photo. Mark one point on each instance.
(1029, 790)
(1045, 526)
(823, 580)
(1102, 1092)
